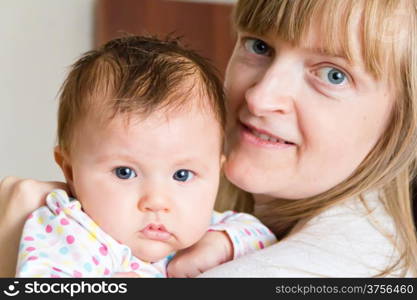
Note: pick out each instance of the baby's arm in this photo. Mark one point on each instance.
(54, 244)
(246, 232)
(230, 236)
(18, 198)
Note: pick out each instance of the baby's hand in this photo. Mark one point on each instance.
(125, 275)
(213, 249)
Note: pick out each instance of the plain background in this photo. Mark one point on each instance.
(39, 40)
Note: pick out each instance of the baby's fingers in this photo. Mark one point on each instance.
(125, 275)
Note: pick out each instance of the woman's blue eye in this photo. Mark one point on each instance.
(125, 173)
(332, 75)
(257, 46)
(183, 175)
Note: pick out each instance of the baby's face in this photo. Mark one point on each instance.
(149, 183)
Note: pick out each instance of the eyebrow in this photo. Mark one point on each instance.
(318, 50)
(113, 156)
(192, 161)
(323, 52)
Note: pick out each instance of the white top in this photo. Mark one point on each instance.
(343, 241)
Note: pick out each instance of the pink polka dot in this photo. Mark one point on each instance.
(30, 249)
(95, 260)
(48, 229)
(55, 276)
(106, 271)
(134, 266)
(261, 245)
(103, 250)
(64, 222)
(56, 269)
(32, 257)
(70, 239)
(247, 232)
(28, 238)
(77, 274)
(58, 211)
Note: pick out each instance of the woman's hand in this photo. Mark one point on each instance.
(18, 198)
(213, 249)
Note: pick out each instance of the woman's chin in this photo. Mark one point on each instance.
(240, 176)
(259, 182)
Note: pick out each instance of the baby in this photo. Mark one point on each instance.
(140, 131)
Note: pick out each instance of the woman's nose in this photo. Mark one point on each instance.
(154, 202)
(273, 92)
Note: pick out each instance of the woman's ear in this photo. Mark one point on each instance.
(222, 160)
(64, 162)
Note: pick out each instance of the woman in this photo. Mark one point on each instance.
(321, 139)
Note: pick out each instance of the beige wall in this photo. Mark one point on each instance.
(39, 39)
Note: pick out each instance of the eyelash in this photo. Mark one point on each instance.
(192, 173)
(270, 52)
(115, 171)
(133, 173)
(244, 43)
(348, 77)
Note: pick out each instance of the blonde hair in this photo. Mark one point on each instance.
(390, 165)
(136, 74)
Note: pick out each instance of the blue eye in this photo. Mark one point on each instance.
(124, 173)
(257, 46)
(183, 175)
(332, 75)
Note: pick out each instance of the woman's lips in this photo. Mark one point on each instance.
(156, 232)
(262, 138)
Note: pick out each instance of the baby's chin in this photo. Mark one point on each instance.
(152, 252)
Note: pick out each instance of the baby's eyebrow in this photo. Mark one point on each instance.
(114, 156)
(193, 162)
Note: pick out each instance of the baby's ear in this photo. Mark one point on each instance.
(64, 162)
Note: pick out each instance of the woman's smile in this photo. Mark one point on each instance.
(260, 137)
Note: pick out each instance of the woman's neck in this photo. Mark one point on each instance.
(262, 209)
(262, 198)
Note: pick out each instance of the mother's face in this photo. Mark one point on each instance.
(300, 120)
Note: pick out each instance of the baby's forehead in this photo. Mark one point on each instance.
(178, 137)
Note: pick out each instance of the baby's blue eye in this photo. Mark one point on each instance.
(257, 46)
(332, 75)
(124, 173)
(183, 175)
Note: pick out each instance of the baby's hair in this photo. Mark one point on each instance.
(137, 75)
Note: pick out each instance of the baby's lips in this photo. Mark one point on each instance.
(156, 232)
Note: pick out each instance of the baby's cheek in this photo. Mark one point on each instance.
(196, 230)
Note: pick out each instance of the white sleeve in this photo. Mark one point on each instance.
(341, 242)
